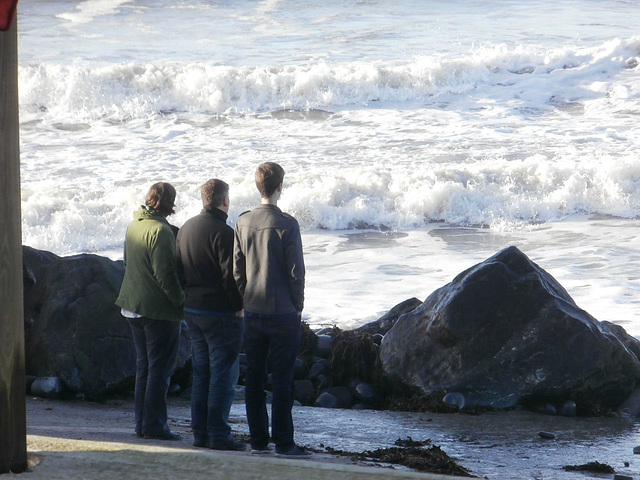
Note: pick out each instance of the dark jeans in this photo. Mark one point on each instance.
(215, 344)
(278, 338)
(157, 350)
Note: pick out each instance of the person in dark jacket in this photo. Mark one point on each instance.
(269, 271)
(213, 309)
(152, 300)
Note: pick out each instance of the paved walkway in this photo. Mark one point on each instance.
(63, 458)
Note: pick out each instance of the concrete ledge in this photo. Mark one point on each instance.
(61, 458)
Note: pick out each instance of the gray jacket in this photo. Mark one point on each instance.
(268, 265)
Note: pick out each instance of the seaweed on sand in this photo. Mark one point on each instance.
(430, 460)
(595, 467)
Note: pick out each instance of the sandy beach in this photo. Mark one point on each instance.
(77, 439)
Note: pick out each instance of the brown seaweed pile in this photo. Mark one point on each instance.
(412, 454)
(595, 467)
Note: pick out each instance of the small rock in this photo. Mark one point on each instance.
(47, 387)
(366, 393)
(302, 390)
(617, 476)
(29, 379)
(361, 406)
(322, 381)
(335, 397)
(546, 435)
(455, 399)
(377, 338)
(300, 369)
(80, 396)
(547, 409)
(318, 368)
(174, 389)
(568, 409)
(326, 400)
(636, 450)
(325, 345)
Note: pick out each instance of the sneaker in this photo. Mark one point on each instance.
(228, 444)
(164, 436)
(293, 452)
(262, 451)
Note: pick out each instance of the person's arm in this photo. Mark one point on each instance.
(223, 249)
(162, 256)
(295, 266)
(239, 263)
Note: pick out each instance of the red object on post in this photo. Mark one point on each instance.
(7, 13)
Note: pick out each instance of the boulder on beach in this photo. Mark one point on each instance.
(505, 332)
(73, 329)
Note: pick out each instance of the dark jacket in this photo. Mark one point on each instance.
(268, 263)
(150, 286)
(204, 258)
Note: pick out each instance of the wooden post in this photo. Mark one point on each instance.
(13, 425)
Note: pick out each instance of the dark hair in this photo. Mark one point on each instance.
(162, 197)
(213, 192)
(269, 176)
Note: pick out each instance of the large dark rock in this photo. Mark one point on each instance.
(506, 332)
(389, 319)
(73, 329)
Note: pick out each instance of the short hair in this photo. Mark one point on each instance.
(269, 176)
(162, 197)
(213, 192)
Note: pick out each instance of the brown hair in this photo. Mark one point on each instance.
(269, 176)
(162, 197)
(213, 192)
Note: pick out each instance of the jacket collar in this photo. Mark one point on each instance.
(215, 212)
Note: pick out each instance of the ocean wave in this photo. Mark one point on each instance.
(504, 195)
(125, 91)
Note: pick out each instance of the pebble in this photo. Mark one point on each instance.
(47, 387)
(568, 409)
(636, 450)
(300, 369)
(455, 399)
(546, 435)
(318, 368)
(547, 409)
(302, 389)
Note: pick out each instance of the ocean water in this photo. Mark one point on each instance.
(418, 137)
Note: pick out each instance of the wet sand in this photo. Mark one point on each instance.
(69, 437)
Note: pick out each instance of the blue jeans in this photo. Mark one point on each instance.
(276, 338)
(216, 340)
(157, 351)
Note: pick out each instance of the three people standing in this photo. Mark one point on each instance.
(262, 267)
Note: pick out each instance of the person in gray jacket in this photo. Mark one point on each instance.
(269, 271)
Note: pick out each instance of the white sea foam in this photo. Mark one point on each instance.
(488, 119)
(86, 11)
(522, 75)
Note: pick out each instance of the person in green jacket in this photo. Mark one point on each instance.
(152, 301)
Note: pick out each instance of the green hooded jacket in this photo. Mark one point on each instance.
(150, 286)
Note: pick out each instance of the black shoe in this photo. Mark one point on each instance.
(164, 436)
(200, 442)
(228, 444)
(262, 451)
(293, 452)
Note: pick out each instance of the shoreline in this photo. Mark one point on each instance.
(492, 445)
